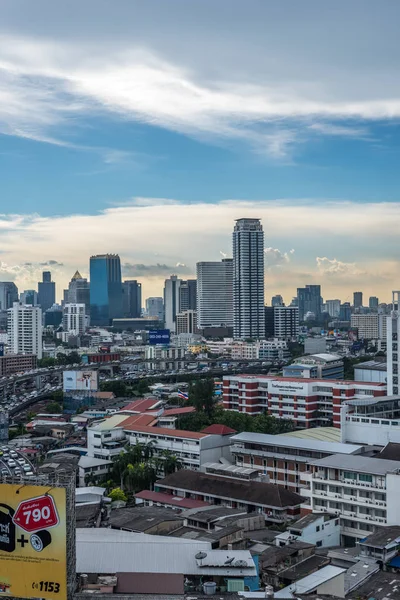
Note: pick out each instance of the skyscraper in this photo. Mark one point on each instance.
(78, 292)
(248, 279)
(277, 300)
(46, 291)
(8, 294)
(215, 293)
(333, 308)
(105, 289)
(392, 347)
(188, 295)
(358, 299)
(155, 307)
(74, 318)
(29, 297)
(132, 299)
(24, 329)
(171, 301)
(309, 300)
(373, 302)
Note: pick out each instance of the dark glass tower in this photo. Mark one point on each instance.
(105, 289)
(46, 291)
(132, 299)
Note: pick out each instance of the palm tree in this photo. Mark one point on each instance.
(170, 462)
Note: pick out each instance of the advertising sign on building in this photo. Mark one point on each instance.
(33, 556)
(80, 381)
(159, 336)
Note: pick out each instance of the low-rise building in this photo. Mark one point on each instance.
(307, 402)
(362, 491)
(320, 529)
(320, 366)
(17, 363)
(371, 370)
(374, 421)
(275, 502)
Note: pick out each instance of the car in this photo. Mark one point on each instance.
(17, 471)
(11, 463)
(26, 468)
(21, 461)
(13, 454)
(29, 474)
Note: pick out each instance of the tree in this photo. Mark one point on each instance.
(117, 495)
(46, 362)
(73, 358)
(54, 408)
(170, 462)
(118, 388)
(202, 396)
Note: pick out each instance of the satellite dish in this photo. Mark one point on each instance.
(229, 561)
(241, 563)
(201, 555)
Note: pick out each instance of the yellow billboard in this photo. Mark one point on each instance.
(33, 556)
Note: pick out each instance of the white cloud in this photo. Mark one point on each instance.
(276, 258)
(332, 266)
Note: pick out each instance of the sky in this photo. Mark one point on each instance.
(146, 128)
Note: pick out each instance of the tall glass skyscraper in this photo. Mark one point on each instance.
(248, 279)
(105, 289)
(46, 291)
(132, 299)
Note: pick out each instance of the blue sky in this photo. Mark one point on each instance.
(146, 128)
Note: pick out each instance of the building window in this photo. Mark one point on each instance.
(319, 544)
(364, 477)
(349, 475)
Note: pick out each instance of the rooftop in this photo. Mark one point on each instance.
(110, 423)
(310, 583)
(390, 452)
(381, 586)
(219, 430)
(322, 434)
(372, 365)
(142, 518)
(382, 536)
(164, 431)
(143, 405)
(178, 501)
(86, 462)
(289, 441)
(213, 513)
(262, 494)
(307, 520)
(361, 464)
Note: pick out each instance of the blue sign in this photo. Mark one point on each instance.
(159, 336)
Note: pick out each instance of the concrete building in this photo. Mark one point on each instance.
(308, 402)
(17, 363)
(392, 341)
(371, 371)
(188, 295)
(215, 293)
(186, 322)
(373, 302)
(320, 529)
(333, 308)
(46, 291)
(286, 322)
(374, 421)
(78, 292)
(248, 279)
(357, 300)
(277, 300)
(74, 318)
(105, 289)
(284, 458)
(132, 299)
(315, 345)
(8, 294)
(320, 366)
(29, 297)
(171, 301)
(165, 359)
(362, 491)
(155, 308)
(369, 327)
(24, 329)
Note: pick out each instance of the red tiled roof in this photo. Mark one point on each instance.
(218, 429)
(175, 433)
(142, 405)
(170, 499)
(178, 411)
(137, 420)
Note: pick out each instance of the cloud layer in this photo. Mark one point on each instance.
(157, 240)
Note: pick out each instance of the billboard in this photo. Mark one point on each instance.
(84, 381)
(159, 336)
(33, 550)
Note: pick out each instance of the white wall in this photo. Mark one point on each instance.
(370, 375)
(392, 498)
(328, 534)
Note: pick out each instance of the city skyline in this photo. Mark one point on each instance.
(122, 128)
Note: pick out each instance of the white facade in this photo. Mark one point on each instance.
(171, 301)
(165, 358)
(393, 337)
(215, 293)
(370, 327)
(155, 307)
(24, 329)
(333, 307)
(286, 322)
(364, 429)
(316, 529)
(74, 318)
(248, 279)
(362, 491)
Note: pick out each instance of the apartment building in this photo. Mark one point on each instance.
(370, 326)
(17, 363)
(362, 491)
(164, 358)
(307, 402)
(284, 458)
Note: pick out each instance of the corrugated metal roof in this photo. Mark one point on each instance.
(292, 442)
(105, 551)
(361, 464)
(311, 582)
(323, 434)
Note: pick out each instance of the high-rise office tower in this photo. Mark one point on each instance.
(74, 318)
(46, 291)
(155, 307)
(248, 279)
(215, 293)
(277, 300)
(309, 300)
(8, 294)
(357, 299)
(188, 295)
(29, 297)
(333, 308)
(132, 299)
(186, 322)
(345, 312)
(105, 289)
(78, 292)
(24, 329)
(171, 301)
(392, 346)
(373, 302)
